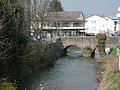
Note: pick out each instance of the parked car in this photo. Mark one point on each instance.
(90, 34)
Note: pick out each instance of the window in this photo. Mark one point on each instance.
(93, 22)
(93, 28)
(75, 24)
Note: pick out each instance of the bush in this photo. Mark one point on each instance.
(101, 42)
(7, 86)
(101, 36)
(88, 48)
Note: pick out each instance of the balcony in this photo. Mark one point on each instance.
(64, 28)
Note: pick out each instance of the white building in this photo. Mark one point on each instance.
(117, 25)
(99, 24)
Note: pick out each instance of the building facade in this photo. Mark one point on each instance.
(60, 24)
(99, 24)
(117, 26)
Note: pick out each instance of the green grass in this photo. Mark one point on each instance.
(113, 51)
(7, 86)
(104, 58)
(88, 48)
(113, 88)
(114, 76)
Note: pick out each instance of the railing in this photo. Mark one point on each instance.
(49, 41)
(64, 28)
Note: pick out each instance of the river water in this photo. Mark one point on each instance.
(71, 72)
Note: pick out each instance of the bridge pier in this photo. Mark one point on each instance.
(87, 53)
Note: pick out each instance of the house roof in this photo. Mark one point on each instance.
(102, 16)
(64, 16)
(96, 15)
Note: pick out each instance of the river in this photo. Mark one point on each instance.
(71, 72)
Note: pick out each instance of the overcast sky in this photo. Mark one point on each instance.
(88, 7)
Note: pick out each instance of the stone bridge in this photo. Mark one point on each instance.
(83, 41)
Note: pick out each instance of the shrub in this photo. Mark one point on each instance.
(101, 42)
(7, 86)
(88, 48)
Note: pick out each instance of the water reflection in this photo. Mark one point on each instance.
(97, 54)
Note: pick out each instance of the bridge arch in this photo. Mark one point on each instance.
(69, 45)
(78, 46)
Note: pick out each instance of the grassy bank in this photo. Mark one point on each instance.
(109, 76)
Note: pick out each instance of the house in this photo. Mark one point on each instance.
(99, 24)
(62, 24)
(117, 25)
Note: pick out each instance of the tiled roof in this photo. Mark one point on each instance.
(64, 16)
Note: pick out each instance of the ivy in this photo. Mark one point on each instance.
(101, 37)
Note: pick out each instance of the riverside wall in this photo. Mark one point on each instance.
(39, 57)
(48, 53)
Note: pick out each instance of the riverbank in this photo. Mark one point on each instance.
(38, 56)
(109, 76)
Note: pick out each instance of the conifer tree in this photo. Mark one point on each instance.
(55, 6)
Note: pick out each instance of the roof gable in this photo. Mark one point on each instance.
(101, 16)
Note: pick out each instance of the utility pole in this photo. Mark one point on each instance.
(118, 54)
(118, 16)
(118, 47)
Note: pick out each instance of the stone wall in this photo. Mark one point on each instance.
(80, 42)
(46, 54)
(112, 42)
(40, 56)
(83, 41)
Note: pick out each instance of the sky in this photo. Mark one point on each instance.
(89, 7)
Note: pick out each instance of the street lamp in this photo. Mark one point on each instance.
(118, 16)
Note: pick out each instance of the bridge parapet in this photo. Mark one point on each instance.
(83, 41)
(112, 42)
(80, 42)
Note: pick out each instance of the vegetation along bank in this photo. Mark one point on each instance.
(109, 76)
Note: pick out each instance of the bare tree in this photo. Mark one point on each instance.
(56, 23)
(5, 44)
(26, 4)
(39, 13)
(55, 6)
